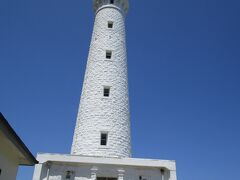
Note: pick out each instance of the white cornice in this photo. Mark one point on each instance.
(135, 162)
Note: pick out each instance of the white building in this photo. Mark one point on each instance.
(101, 148)
(13, 152)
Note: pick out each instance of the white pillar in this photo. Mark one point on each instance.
(94, 173)
(173, 175)
(37, 171)
(121, 173)
(162, 171)
(41, 171)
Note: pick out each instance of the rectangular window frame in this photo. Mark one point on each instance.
(104, 140)
(106, 91)
(108, 54)
(110, 24)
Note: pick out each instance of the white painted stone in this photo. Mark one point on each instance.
(88, 168)
(105, 114)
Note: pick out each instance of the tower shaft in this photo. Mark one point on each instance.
(103, 122)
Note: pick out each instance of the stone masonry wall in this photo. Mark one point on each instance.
(105, 114)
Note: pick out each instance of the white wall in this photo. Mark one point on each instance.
(8, 161)
(98, 113)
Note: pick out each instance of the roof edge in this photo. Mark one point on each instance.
(76, 159)
(18, 143)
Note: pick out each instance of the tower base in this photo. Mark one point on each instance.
(74, 167)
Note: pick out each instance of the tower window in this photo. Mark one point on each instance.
(110, 24)
(108, 54)
(106, 91)
(104, 137)
(111, 1)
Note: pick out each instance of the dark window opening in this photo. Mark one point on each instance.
(0, 172)
(106, 92)
(111, 1)
(110, 24)
(142, 178)
(104, 137)
(68, 175)
(106, 178)
(108, 54)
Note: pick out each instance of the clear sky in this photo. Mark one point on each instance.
(184, 79)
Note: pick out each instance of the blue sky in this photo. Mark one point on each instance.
(184, 79)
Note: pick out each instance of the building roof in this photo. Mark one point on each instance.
(10, 135)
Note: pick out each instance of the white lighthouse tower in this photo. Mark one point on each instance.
(101, 148)
(103, 126)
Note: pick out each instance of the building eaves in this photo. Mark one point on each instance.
(9, 132)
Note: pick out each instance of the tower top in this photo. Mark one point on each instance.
(120, 4)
